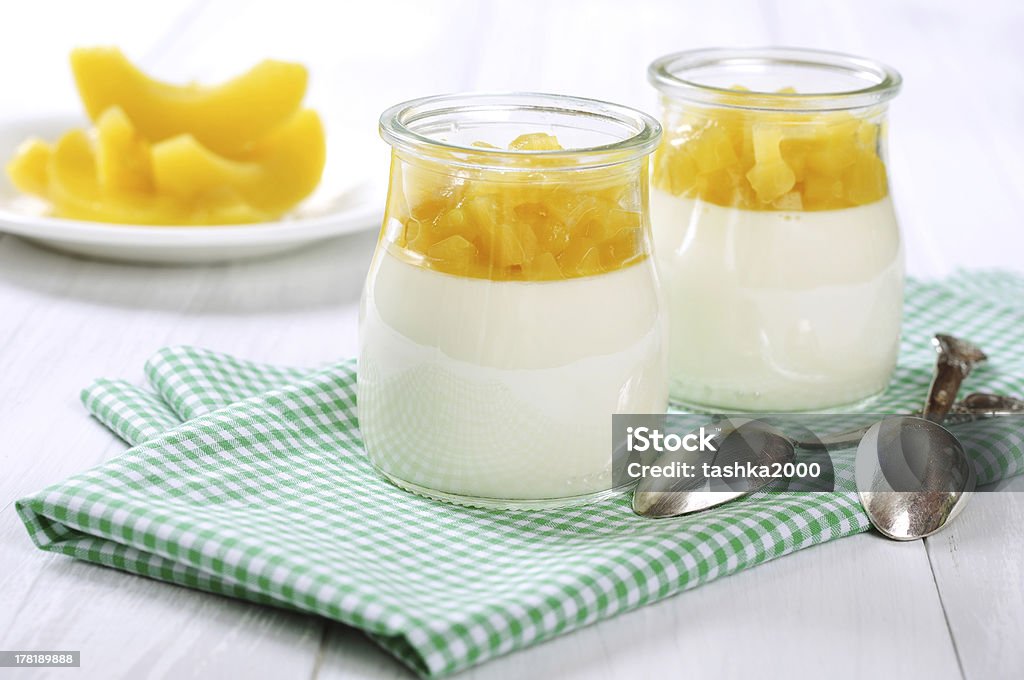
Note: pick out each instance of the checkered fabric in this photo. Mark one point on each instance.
(251, 481)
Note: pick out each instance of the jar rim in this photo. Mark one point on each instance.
(397, 123)
(667, 74)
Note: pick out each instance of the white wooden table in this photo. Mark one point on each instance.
(862, 607)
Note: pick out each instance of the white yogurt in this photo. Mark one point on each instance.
(505, 389)
(778, 310)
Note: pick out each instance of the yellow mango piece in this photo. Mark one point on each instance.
(581, 258)
(183, 167)
(504, 248)
(771, 180)
(867, 137)
(418, 186)
(527, 239)
(771, 160)
(715, 150)
(620, 248)
(543, 267)
(74, 188)
(794, 153)
(501, 226)
(123, 161)
(535, 141)
(75, 192)
(553, 236)
(679, 170)
(822, 189)
(718, 187)
(276, 173)
(71, 173)
(483, 212)
(767, 144)
(864, 179)
(28, 168)
(793, 200)
(455, 251)
(226, 118)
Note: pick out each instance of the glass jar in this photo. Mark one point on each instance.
(774, 232)
(511, 306)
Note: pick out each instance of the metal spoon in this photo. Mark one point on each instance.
(902, 512)
(736, 441)
(671, 498)
(913, 477)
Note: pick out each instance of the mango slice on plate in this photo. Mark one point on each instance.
(72, 184)
(165, 154)
(72, 168)
(226, 118)
(122, 155)
(73, 187)
(275, 174)
(28, 168)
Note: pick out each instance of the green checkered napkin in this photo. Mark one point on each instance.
(251, 481)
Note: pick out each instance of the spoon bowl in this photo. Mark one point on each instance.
(736, 442)
(913, 477)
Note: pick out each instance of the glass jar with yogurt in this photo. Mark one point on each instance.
(774, 231)
(512, 306)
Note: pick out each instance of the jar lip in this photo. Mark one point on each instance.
(667, 74)
(396, 127)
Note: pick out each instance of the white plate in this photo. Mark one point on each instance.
(350, 198)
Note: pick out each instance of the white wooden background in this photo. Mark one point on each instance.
(951, 606)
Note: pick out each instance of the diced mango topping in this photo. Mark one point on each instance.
(772, 160)
(507, 226)
(535, 141)
(166, 154)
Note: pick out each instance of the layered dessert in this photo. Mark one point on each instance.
(507, 316)
(779, 251)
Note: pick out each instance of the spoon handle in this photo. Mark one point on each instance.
(975, 406)
(956, 359)
(996, 404)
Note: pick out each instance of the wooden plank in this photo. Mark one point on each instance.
(127, 626)
(978, 564)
